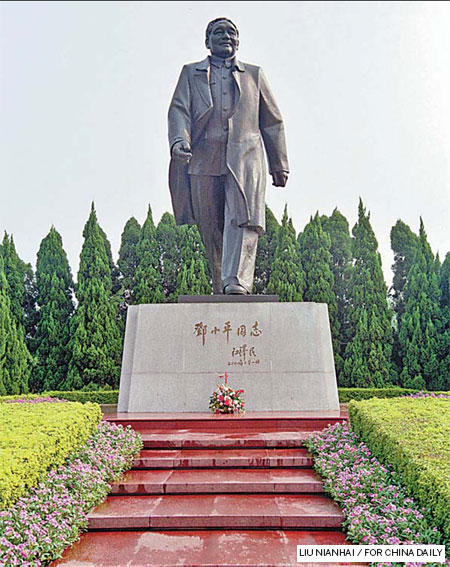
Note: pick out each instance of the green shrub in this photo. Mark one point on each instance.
(96, 397)
(36, 437)
(347, 394)
(413, 436)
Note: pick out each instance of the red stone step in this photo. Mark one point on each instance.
(210, 458)
(213, 438)
(315, 420)
(216, 481)
(226, 511)
(231, 548)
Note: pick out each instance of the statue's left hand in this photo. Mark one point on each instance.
(279, 178)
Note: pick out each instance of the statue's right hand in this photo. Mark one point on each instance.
(182, 151)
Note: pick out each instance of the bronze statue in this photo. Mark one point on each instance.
(221, 113)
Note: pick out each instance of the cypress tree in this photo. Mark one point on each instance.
(193, 277)
(149, 287)
(55, 291)
(128, 259)
(368, 356)
(287, 278)
(168, 237)
(421, 324)
(444, 347)
(15, 358)
(319, 281)
(115, 272)
(21, 288)
(265, 254)
(404, 243)
(95, 342)
(336, 226)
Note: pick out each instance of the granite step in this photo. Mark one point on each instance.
(313, 420)
(227, 511)
(207, 548)
(218, 481)
(213, 438)
(212, 458)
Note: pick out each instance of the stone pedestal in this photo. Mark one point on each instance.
(280, 353)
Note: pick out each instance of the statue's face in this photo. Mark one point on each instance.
(223, 39)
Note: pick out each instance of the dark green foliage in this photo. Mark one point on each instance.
(347, 394)
(404, 244)
(336, 226)
(55, 291)
(149, 287)
(128, 259)
(287, 278)
(444, 339)
(421, 325)
(315, 254)
(368, 356)
(169, 239)
(95, 342)
(15, 358)
(193, 277)
(265, 254)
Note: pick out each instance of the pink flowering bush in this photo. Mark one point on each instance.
(377, 509)
(37, 400)
(423, 394)
(225, 399)
(38, 528)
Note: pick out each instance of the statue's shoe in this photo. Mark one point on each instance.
(234, 289)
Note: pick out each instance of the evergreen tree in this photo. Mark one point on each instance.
(444, 347)
(15, 358)
(193, 277)
(128, 259)
(336, 226)
(368, 356)
(55, 291)
(319, 281)
(287, 278)
(265, 254)
(21, 288)
(404, 244)
(149, 287)
(95, 342)
(115, 272)
(421, 324)
(168, 237)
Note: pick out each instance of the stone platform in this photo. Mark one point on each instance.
(279, 353)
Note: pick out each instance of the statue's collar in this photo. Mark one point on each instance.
(204, 65)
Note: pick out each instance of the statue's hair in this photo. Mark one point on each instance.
(211, 24)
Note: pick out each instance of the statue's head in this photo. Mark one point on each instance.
(222, 37)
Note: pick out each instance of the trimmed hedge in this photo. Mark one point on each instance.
(347, 394)
(412, 435)
(35, 438)
(111, 396)
(96, 396)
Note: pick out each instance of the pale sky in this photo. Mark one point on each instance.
(364, 89)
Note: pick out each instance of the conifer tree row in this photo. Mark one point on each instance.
(81, 348)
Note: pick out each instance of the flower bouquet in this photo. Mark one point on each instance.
(225, 399)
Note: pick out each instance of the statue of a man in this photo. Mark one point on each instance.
(221, 114)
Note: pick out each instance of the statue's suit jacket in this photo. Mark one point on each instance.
(254, 120)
